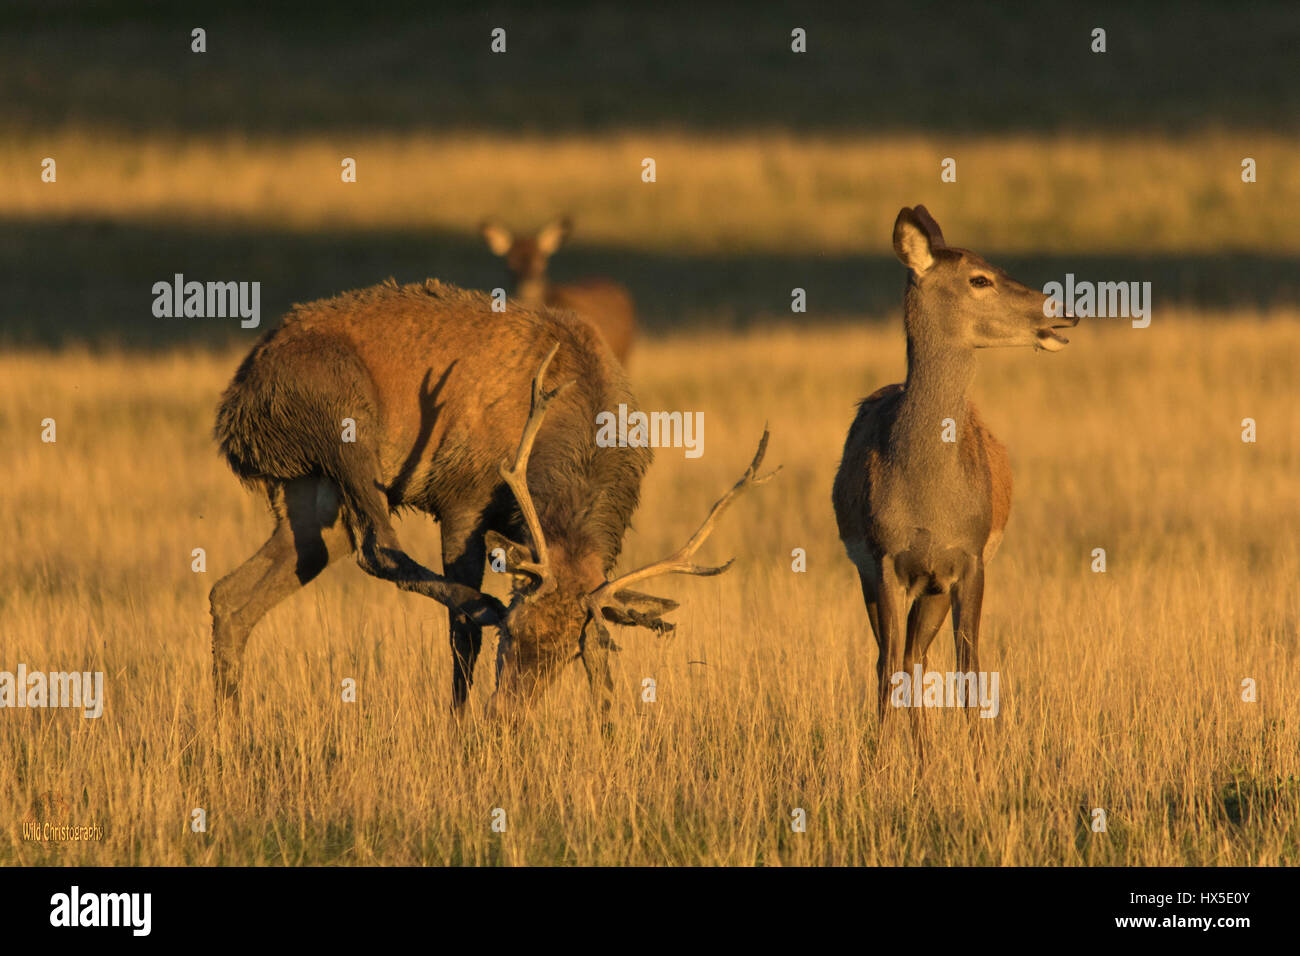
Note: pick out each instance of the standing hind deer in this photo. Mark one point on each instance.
(604, 303)
(919, 516)
(448, 407)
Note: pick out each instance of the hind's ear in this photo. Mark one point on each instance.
(930, 226)
(916, 237)
(498, 236)
(552, 236)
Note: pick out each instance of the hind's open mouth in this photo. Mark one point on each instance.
(1050, 341)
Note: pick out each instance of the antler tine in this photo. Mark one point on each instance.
(679, 561)
(516, 475)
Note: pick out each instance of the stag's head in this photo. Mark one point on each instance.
(561, 603)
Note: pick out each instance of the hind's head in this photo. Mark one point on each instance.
(526, 255)
(956, 296)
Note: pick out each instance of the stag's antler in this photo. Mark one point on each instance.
(679, 561)
(516, 477)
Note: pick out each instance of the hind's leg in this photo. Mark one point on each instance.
(867, 578)
(308, 536)
(928, 614)
(871, 595)
(967, 603)
(893, 608)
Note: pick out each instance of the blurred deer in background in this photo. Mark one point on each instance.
(604, 303)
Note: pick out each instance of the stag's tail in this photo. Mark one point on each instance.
(286, 414)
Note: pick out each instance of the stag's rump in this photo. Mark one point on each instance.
(275, 420)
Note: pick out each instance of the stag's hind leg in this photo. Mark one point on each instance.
(308, 535)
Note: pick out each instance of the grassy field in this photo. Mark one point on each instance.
(1120, 690)
(753, 194)
(775, 171)
(728, 229)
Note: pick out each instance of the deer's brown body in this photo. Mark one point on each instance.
(866, 456)
(920, 516)
(604, 303)
(436, 389)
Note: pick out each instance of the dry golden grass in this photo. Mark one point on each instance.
(1120, 690)
(774, 192)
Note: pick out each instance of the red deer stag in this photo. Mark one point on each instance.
(918, 515)
(439, 390)
(604, 303)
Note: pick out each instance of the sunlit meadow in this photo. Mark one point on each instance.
(1120, 690)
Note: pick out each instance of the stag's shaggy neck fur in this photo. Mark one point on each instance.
(585, 494)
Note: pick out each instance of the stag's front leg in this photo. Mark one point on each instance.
(463, 554)
(596, 644)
